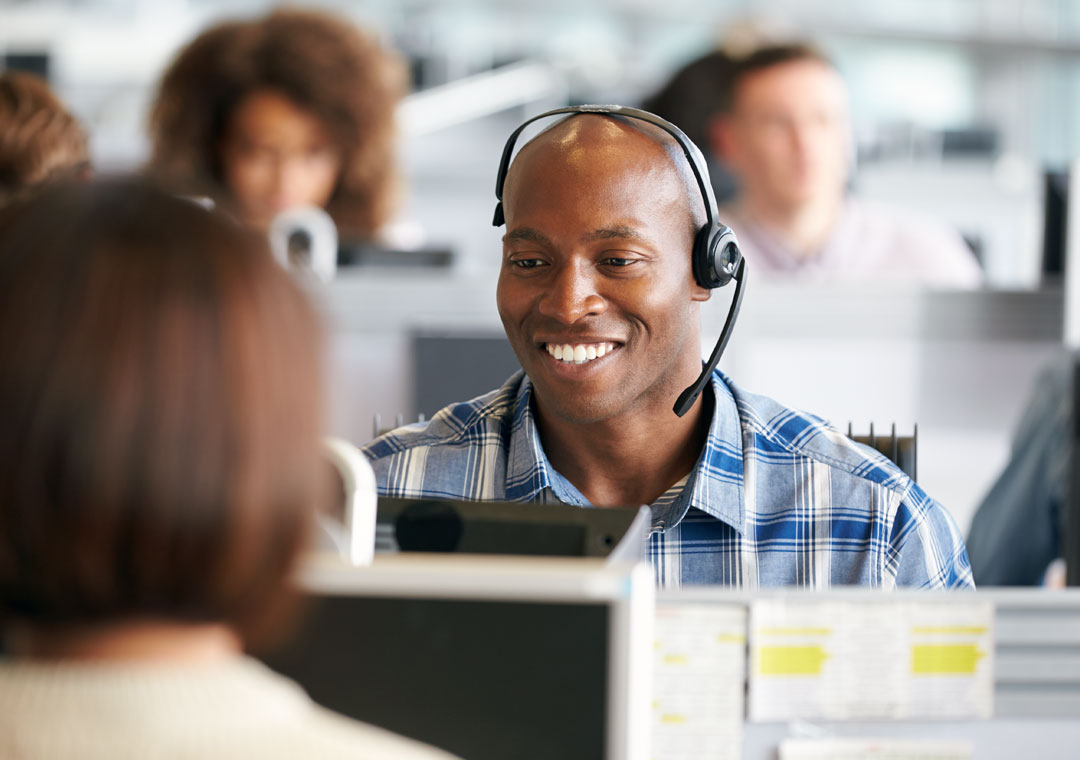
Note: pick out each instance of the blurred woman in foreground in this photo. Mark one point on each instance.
(159, 459)
(294, 109)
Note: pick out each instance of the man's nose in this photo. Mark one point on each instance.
(797, 137)
(572, 294)
(807, 135)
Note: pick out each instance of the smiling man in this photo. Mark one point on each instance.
(599, 300)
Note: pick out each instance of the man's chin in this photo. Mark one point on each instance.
(583, 410)
(802, 193)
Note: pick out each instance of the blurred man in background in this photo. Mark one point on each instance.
(39, 140)
(785, 135)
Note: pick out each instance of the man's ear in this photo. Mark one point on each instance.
(698, 293)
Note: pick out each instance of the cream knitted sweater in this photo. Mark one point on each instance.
(235, 709)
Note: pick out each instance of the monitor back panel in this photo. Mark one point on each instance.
(479, 678)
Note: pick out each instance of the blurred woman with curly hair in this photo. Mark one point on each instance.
(40, 141)
(293, 109)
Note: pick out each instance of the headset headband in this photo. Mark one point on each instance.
(691, 151)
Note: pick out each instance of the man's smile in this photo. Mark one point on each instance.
(579, 353)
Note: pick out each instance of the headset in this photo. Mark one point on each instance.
(716, 258)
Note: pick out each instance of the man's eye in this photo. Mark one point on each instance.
(526, 263)
(617, 261)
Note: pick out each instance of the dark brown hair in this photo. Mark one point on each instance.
(765, 58)
(39, 139)
(693, 94)
(160, 397)
(322, 64)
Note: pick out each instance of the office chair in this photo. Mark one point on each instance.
(347, 526)
(900, 450)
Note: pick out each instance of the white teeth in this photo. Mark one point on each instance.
(579, 354)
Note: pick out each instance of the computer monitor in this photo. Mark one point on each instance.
(486, 657)
(1055, 222)
(454, 364)
(30, 61)
(559, 530)
(1071, 522)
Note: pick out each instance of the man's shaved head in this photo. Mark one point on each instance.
(592, 137)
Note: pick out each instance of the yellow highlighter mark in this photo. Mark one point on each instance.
(730, 638)
(792, 661)
(945, 659)
(967, 630)
(672, 718)
(794, 631)
(675, 659)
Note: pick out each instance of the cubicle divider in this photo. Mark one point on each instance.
(851, 673)
(960, 364)
(499, 656)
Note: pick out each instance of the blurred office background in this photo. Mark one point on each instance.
(960, 108)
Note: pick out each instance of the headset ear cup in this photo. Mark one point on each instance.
(702, 259)
(721, 258)
(716, 256)
(726, 255)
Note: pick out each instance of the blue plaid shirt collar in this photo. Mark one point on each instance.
(715, 486)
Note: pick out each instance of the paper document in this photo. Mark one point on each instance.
(846, 660)
(698, 682)
(867, 749)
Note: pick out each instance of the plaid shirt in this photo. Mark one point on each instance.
(777, 498)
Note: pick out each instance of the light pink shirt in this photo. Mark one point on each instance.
(871, 241)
